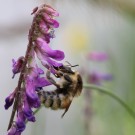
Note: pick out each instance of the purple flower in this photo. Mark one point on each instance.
(33, 81)
(46, 32)
(18, 127)
(49, 10)
(43, 27)
(47, 23)
(9, 100)
(28, 113)
(33, 78)
(17, 65)
(20, 122)
(12, 130)
(48, 19)
(97, 56)
(34, 74)
(31, 93)
(41, 82)
(47, 55)
(97, 78)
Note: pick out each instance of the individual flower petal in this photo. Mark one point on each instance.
(17, 65)
(54, 23)
(34, 76)
(9, 100)
(50, 21)
(41, 82)
(31, 93)
(20, 122)
(53, 63)
(40, 71)
(49, 10)
(44, 27)
(46, 60)
(12, 130)
(97, 56)
(28, 113)
(48, 52)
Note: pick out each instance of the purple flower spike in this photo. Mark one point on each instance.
(17, 65)
(31, 77)
(9, 100)
(97, 56)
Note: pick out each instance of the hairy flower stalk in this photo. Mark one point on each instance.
(25, 96)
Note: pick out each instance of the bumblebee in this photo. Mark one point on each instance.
(69, 86)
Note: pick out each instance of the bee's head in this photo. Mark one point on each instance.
(66, 68)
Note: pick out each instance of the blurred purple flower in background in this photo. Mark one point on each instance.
(96, 78)
(97, 56)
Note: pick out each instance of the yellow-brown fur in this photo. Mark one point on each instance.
(69, 86)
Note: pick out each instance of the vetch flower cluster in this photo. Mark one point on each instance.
(32, 77)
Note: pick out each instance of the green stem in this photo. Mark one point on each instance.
(36, 111)
(107, 92)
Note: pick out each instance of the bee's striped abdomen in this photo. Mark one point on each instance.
(54, 100)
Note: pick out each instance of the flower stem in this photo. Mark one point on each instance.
(21, 78)
(107, 92)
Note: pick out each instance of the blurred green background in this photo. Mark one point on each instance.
(85, 26)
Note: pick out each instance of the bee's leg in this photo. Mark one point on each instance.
(51, 80)
(58, 74)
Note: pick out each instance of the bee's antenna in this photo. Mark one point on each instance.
(69, 64)
(74, 65)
